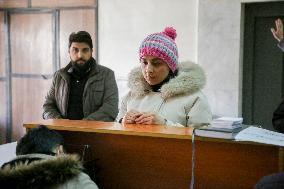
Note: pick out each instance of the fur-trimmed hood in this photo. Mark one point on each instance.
(190, 79)
(39, 171)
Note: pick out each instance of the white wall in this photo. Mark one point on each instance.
(123, 24)
(219, 40)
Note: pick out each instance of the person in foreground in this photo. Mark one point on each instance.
(273, 181)
(40, 163)
(83, 89)
(278, 114)
(161, 90)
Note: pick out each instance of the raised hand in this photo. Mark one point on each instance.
(278, 33)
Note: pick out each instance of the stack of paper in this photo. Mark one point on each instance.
(214, 132)
(227, 122)
(223, 127)
(255, 134)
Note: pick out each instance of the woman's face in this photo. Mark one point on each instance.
(154, 69)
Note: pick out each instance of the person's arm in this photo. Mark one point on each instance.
(122, 108)
(281, 44)
(278, 118)
(125, 115)
(50, 110)
(154, 118)
(109, 109)
(199, 113)
(278, 33)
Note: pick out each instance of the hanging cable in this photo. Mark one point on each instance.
(192, 159)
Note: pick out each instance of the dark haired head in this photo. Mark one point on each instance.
(39, 140)
(81, 37)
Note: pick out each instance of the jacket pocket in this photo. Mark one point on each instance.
(97, 97)
(94, 96)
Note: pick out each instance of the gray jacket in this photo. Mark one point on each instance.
(100, 96)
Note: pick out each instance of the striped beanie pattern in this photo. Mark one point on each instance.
(161, 45)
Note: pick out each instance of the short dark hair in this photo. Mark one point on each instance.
(39, 140)
(81, 37)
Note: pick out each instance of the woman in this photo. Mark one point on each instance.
(161, 91)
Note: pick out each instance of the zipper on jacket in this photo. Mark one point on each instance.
(187, 112)
(160, 106)
(67, 100)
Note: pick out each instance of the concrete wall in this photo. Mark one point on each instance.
(219, 40)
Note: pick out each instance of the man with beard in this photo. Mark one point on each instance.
(83, 89)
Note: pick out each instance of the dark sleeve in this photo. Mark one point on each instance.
(50, 110)
(273, 181)
(281, 44)
(278, 118)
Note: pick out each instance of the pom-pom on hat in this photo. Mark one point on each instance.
(161, 45)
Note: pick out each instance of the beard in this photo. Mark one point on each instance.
(79, 63)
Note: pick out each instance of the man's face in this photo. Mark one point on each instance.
(80, 53)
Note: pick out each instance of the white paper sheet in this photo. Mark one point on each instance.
(260, 135)
(8, 152)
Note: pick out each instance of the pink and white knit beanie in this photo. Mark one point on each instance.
(161, 45)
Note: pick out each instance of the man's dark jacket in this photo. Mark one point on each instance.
(278, 118)
(278, 115)
(100, 96)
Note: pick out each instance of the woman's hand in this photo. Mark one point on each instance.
(150, 118)
(130, 116)
(278, 34)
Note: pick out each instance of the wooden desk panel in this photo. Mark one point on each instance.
(233, 165)
(137, 162)
(155, 157)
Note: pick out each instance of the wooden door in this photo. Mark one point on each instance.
(31, 39)
(3, 81)
(33, 45)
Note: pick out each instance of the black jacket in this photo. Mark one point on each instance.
(278, 118)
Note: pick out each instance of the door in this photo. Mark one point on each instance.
(262, 64)
(34, 45)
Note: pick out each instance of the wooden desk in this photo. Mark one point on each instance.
(156, 157)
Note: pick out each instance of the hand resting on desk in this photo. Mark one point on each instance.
(147, 118)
